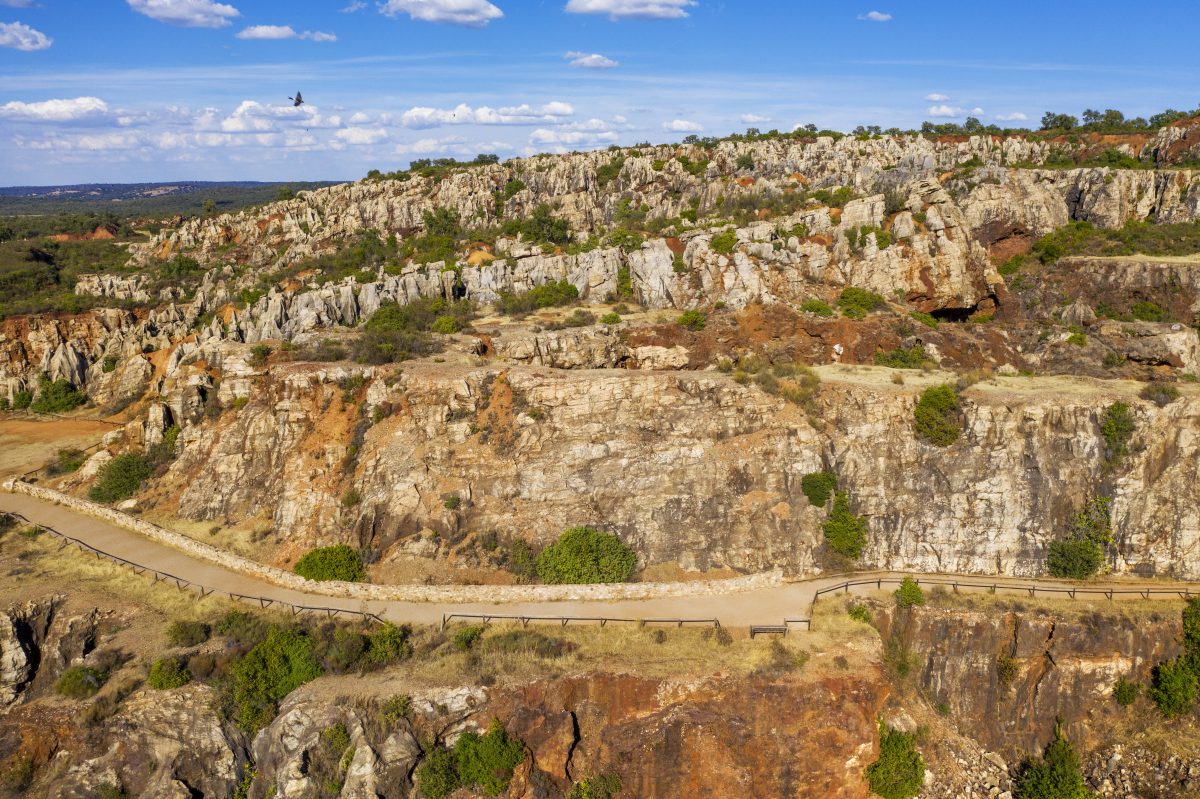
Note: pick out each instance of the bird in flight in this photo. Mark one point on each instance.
(297, 101)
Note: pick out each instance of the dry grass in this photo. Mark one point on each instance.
(1133, 609)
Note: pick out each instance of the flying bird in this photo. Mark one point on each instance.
(297, 101)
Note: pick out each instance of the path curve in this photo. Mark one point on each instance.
(772, 605)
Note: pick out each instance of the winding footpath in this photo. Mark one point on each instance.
(774, 605)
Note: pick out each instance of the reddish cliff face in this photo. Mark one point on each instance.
(759, 736)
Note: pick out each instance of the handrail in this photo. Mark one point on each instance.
(603, 621)
(995, 585)
(182, 583)
(31, 472)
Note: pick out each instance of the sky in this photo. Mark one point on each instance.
(129, 91)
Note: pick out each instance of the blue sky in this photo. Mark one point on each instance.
(147, 90)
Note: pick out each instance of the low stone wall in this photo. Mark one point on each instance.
(450, 594)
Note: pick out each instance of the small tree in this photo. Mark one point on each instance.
(845, 532)
(909, 594)
(936, 416)
(899, 772)
(1055, 775)
(120, 478)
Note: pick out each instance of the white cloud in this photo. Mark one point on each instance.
(463, 114)
(188, 13)
(754, 119)
(1016, 116)
(357, 5)
(590, 60)
(359, 118)
(937, 98)
(632, 9)
(682, 126)
(471, 13)
(359, 136)
(946, 111)
(283, 32)
(543, 136)
(55, 110)
(20, 36)
(875, 16)
(976, 110)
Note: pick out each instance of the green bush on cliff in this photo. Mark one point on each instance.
(282, 662)
(909, 594)
(856, 303)
(478, 761)
(1126, 692)
(1081, 553)
(845, 533)
(818, 486)
(899, 772)
(1117, 426)
(338, 562)
(167, 673)
(583, 555)
(601, 786)
(57, 396)
(1174, 687)
(1055, 775)
(120, 478)
(936, 416)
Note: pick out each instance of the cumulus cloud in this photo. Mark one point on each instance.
(682, 126)
(471, 13)
(875, 16)
(559, 136)
(188, 13)
(361, 136)
(55, 110)
(946, 111)
(754, 119)
(632, 9)
(1016, 116)
(937, 98)
(20, 36)
(590, 60)
(283, 32)
(463, 114)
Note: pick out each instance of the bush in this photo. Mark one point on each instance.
(1161, 394)
(1148, 312)
(936, 416)
(909, 594)
(856, 303)
(337, 562)
(845, 532)
(388, 644)
(488, 761)
(259, 354)
(693, 320)
(583, 555)
(1081, 553)
(817, 307)
(1125, 692)
(725, 242)
(1055, 775)
(1117, 426)
(818, 486)
(80, 682)
(167, 673)
(580, 318)
(67, 461)
(452, 502)
(188, 633)
(437, 776)
(903, 357)
(546, 296)
(22, 400)
(466, 637)
(1174, 687)
(926, 319)
(745, 162)
(120, 478)
(899, 773)
(611, 318)
(274, 668)
(57, 397)
(446, 325)
(860, 613)
(1007, 669)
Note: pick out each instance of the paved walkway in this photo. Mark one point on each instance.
(766, 606)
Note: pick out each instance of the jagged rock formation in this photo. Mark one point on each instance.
(37, 642)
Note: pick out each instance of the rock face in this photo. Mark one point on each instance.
(692, 468)
(37, 643)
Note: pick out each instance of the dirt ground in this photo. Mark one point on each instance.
(29, 442)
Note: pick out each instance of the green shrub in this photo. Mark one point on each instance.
(725, 242)
(546, 296)
(67, 461)
(22, 400)
(446, 325)
(1011, 266)
(580, 318)
(259, 354)
(744, 162)
(1174, 687)
(936, 416)
(80, 682)
(817, 307)
(337, 562)
(909, 594)
(818, 486)
(1077, 339)
(860, 613)
(452, 502)
(466, 637)
(488, 761)
(606, 173)
(1055, 775)
(913, 357)
(437, 776)
(57, 397)
(1125, 692)
(583, 555)
(188, 633)
(856, 303)
(611, 318)
(929, 320)
(387, 644)
(280, 664)
(845, 532)
(1161, 394)
(1117, 425)
(1081, 553)
(396, 708)
(167, 673)
(899, 773)
(693, 320)
(1148, 312)
(120, 478)
(1007, 669)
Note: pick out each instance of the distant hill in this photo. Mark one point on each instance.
(142, 199)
